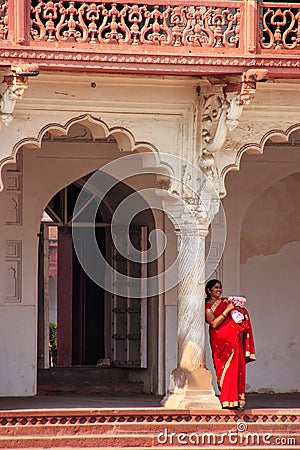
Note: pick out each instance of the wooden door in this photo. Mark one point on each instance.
(129, 311)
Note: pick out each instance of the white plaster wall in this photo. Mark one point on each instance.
(269, 277)
(17, 303)
(270, 284)
(18, 350)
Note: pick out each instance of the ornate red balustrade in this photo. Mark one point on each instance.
(279, 25)
(94, 22)
(189, 35)
(122, 23)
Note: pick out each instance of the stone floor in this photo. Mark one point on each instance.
(254, 401)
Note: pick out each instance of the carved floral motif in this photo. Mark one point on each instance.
(97, 22)
(280, 26)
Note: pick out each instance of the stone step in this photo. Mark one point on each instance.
(111, 428)
(157, 428)
(130, 441)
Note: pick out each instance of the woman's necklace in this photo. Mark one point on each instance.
(215, 304)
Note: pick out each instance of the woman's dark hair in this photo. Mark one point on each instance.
(209, 285)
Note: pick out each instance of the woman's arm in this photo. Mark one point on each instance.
(213, 321)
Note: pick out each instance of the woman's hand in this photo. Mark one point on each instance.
(236, 305)
(230, 306)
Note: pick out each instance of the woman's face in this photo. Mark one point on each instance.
(216, 291)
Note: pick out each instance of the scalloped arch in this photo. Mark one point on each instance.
(261, 192)
(99, 129)
(255, 148)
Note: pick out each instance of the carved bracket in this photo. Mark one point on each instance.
(16, 83)
(221, 114)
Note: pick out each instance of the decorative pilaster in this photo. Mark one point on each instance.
(191, 382)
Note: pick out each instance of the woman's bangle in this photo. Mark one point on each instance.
(223, 315)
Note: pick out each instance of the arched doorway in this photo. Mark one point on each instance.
(49, 160)
(94, 327)
(261, 258)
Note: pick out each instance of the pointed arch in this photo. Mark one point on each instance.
(99, 130)
(256, 148)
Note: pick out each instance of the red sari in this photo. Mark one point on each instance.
(232, 347)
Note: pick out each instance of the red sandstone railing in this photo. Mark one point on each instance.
(186, 27)
(97, 22)
(198, 23)
(194, 23)
(279, 25)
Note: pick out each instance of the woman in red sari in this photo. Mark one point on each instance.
(231, 343)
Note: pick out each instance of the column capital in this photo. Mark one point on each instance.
(190, 216)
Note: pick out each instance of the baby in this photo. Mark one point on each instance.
(235, 314)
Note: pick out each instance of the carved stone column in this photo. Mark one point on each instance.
(191, 382)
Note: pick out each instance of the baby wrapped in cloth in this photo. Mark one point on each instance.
(237, 316)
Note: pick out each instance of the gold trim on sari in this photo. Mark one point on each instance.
(250, 355)
(230, 404)
(226, 367)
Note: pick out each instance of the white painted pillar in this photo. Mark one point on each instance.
(191, 353)
(191, 382)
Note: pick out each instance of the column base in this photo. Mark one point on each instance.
(191, 390)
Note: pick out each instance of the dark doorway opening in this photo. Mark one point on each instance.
(88, 313)
(73, 304)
